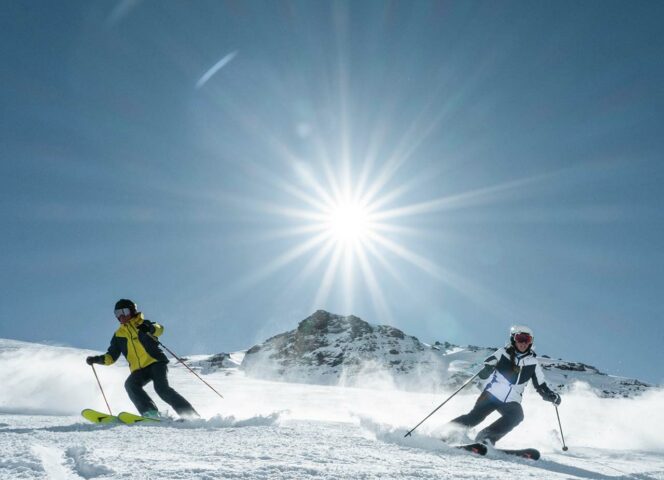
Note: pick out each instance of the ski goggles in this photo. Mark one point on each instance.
(523, 338)
(122, 311)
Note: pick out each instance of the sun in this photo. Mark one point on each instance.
(348, 222)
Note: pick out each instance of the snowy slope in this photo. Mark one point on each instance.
(331, 349)
(266, 429)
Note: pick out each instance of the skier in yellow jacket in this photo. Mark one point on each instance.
(136, 340)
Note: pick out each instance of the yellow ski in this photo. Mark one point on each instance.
(98, 417)
(131, 419)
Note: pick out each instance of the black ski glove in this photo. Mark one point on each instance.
(554, 398)
(146, 328)
(95, 359)
(486, 371)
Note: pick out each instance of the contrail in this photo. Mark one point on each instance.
(217, 66)
(121, 10)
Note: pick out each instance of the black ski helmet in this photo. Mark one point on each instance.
(126, 303)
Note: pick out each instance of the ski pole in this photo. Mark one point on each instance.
(438, 407)
(561, 430)
(102, 390)
(187, 366)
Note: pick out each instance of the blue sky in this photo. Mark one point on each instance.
(450, 168)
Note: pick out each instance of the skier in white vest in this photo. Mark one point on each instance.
(509, 369)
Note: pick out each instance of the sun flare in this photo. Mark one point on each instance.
(348, 222)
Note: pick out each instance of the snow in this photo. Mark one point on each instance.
(265, 429)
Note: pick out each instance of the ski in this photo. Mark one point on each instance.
(98, 417)
(131, 419)
(478, 448)
(482, 449)
(529, 453)
(123, 417)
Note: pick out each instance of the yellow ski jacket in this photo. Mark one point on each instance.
(139, 348)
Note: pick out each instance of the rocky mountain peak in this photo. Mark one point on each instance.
(323, 323)
(326, 347)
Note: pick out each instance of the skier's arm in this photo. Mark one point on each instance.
(158, 329)
(539, 382)
(107, 358)
(151, 328)
(112, 353)
(490, 364)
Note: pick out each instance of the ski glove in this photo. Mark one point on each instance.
(95, 359)
(554, 398)
(146, 328)
(486, 371)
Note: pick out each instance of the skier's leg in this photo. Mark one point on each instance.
(134, 386)
(167, 393)
(484, 405)
(512, 415)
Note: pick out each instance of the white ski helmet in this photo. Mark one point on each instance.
(517, 329)
(521, 329)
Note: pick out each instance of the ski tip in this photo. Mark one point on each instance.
(98, 417)
(478, 448)
(528, 453)
(532, 455)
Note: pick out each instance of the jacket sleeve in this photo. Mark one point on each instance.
(113, 352)
(539, 382)
(158, 329)
(490, 364)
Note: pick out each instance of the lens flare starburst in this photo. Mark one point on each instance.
(341, 188)
(356, 237)
(347, 234)
(348, 222)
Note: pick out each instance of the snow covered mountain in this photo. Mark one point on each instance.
(226, 362)
(331, 349)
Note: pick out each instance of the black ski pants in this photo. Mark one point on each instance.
(156, 373)
(511, 415)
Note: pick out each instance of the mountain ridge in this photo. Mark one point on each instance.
(331, 349)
